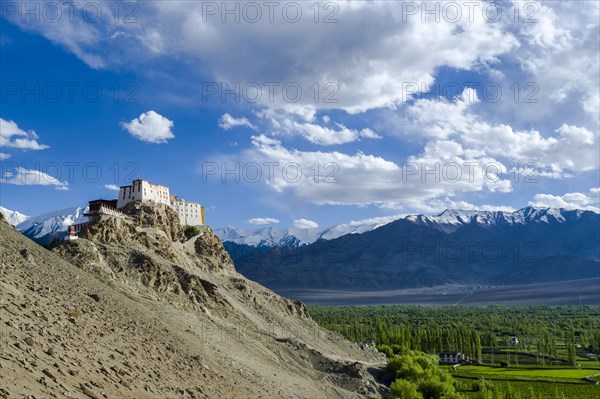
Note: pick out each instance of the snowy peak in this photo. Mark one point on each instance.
(269, 236)
(450, 220)
(295, 237)
(13, 217)
(548, 215)
(51, 222)
(447, 222)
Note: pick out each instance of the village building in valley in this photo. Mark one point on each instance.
(452, 358)
(190, 213)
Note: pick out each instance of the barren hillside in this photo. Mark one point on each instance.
(137, 311)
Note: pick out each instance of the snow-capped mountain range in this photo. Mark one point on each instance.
(44, 227)
(291, 237)
(40, 226)
(447, 222)
(531, 245)
(13, 217)
(450, 220)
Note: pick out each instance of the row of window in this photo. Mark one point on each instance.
(189, 207)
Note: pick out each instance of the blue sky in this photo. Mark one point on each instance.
(90, 102)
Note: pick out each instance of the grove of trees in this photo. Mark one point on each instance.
(546, 334)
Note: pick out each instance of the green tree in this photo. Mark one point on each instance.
(406, 368)
(481, 385)
(385, 349)
(437, 388)
(478, 356)
(191, 231)
(570, 343)
(403, 389)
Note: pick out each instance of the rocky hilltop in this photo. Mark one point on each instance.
(134, 309)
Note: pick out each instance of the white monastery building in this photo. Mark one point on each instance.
(144, 191)
(190, 213)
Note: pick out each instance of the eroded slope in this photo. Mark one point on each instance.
(147, 314)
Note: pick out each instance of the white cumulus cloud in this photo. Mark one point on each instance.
(305, 224)
(228, 122)
(336, 178)
(111, 187)
(355, 69)
(453, 123)
(325, 136)
(4, 156)
(286, 123)
(13, 136)
(28, 177)
(589, 201)
(261, 221)
(561, 50)
(150, 127)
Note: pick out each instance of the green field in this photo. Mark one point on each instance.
(547, 383)
(544, 390)
(563, 374)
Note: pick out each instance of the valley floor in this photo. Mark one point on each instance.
(574, 292)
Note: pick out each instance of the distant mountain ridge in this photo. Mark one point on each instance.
(240, 242)
(452, 219)
(531, 245)
(447, 221)
(291, 237)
